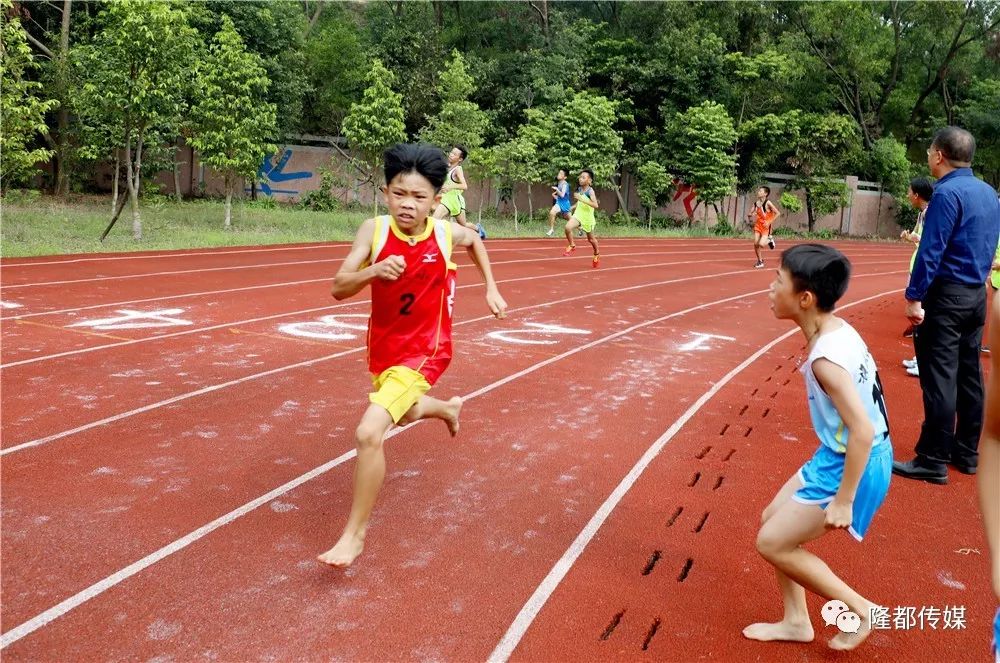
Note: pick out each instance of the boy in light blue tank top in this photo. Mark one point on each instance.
(846, 480)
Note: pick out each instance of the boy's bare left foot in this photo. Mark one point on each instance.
(454, 408)
(343, 553)
(784, 631)
(848, 641)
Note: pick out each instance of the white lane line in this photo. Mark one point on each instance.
(553, 256)
(280, 369)
(290, 283)
(356, 302)
(302, 364)
(548, 585)
(4, 263)
(107, 583)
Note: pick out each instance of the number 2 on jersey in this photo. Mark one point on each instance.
(407, 299)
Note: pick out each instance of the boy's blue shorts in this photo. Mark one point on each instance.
(996, 636)
(564, 205)
(821, 478)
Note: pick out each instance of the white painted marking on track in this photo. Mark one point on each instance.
(541, 595)
(699, 341)
(310, 362)
(534, 329)
(102, 586)
(107, 583)
(327, 328)
(224, 325)
(9, 305)
(130, 319)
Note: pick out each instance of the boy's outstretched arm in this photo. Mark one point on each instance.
(355, 272)
(477, 251)
(989, 450)
(839, 386)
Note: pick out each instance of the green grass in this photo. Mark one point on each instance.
(38, 226)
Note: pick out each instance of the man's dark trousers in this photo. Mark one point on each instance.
(948, 346)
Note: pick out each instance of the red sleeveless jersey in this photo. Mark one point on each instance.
(410, 323)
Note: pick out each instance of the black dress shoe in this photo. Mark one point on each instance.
(964, 468)
(913, 470)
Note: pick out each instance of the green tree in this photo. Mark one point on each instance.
(376, 122)
(979, 114)
(460, 122)
(827, 145)
(653, 186)
(891, 169)
(23, 116)
(276, 32)
(336, 66)
(699, 142)
(232, 121)
(513, 162)
(135, 74)
(578, 134)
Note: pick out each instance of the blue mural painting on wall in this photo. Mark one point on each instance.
(272, 172)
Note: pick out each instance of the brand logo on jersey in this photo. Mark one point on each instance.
(430, 257)
(451, 299)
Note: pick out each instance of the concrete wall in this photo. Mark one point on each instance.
(292, 170)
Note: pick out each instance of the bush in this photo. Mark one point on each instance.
(790, 202)
(825, 233)
(262, 202)
(25, 197)
(785, 231)
(322, 199)
(723, 227)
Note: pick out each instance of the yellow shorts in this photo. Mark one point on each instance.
(397, 389)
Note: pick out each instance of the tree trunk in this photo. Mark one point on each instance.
(229, 204)
(132, 181)
(375, 197)
(62, 117)
(114, 182)
(810, 215)
(531, 205)
(177, 180)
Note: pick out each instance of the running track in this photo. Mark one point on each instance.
(166, 488)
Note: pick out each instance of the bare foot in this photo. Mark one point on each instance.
(848, 641)
(451, 418)
(786, 631)
(343, 553)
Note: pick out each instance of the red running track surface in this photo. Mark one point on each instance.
(166, 489)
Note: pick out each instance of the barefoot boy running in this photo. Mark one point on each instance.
(763, 215)
(406, 258)
(847, 478)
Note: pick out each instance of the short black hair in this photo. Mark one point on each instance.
(956, 144)
(589, 172)
(923, 187)
(766, 189)
(820, 269)
(419, 158)
(463, 151)
(563, 170)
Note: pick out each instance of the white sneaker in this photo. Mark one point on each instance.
(910, 363)
(915, 372)
(549, 233)
(770, 242)
(759, 265)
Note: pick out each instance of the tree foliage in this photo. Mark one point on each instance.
(232, 120)
(24, 108)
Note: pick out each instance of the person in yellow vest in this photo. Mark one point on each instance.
(582, 215)
(452, 193)
(919, 195)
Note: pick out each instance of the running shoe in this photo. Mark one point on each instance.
(759, 265)
(770, 242)
(596, 262)
(570, 249)
(910, 363)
